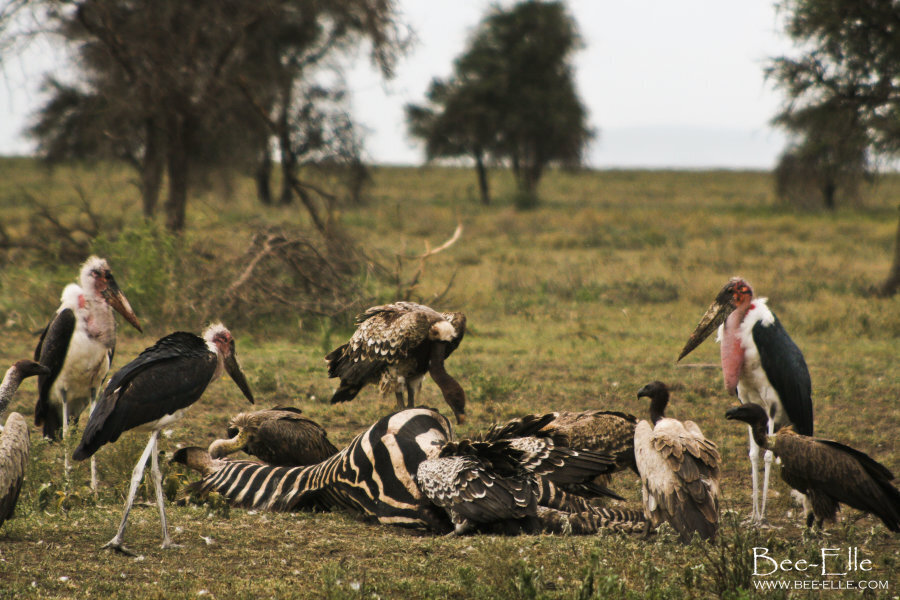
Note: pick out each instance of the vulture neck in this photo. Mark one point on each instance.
(761, 434)
(658, 408)
(8, 388)
(450, 388)
(228, 446)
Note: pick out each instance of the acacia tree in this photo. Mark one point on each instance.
(456, 122)
(512, 96)
(830, 159)
(848, 66)
(206, 83)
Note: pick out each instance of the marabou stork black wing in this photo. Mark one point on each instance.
(51, 352)
(786, 369)
(168, 376)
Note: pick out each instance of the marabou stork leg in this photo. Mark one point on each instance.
(136, 476)
(94, 484)
(67, 465)
(768, 458)
(398, 393)
(754, 478)
(160, 499)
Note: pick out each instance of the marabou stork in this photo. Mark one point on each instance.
(14, 441)
(395, 345)
(827, 472)
(279, 436)
(151, 392)
(761, 364)
(679, 470)
(78, 346)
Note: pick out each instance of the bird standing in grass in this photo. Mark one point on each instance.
(395, 345)
(828, 473)
(679, 470)
(14, 441)
(153, 391)
(77, 347)
(762, 365)
(278, 436)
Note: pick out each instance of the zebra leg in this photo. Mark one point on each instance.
(136, 476)
(160, 498)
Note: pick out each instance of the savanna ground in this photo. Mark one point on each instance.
(572, 305)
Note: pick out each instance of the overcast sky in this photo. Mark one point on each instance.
(668, 84)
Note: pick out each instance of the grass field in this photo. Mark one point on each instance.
(573, 305)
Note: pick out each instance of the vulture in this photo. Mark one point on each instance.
(500, 478)
(405, 470)
(279, 436)
(828, 473)
(395, 345)
(761, 364)
(14, 441)
(679, 470)
(606, 431)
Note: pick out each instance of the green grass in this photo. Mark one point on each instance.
(574, 304)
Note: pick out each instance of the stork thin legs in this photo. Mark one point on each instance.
(136, 476)
(67, 465)
(768, 467)
(160, 499)
(755, 517)
(93, 458)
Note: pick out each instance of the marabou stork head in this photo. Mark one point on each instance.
(218, 335)
(736, 292)
(98, 282)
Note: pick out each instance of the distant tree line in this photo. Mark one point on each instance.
(178, 88)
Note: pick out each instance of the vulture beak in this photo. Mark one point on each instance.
(118, 301)
(233, 368)
(29, 368)
(715, 315)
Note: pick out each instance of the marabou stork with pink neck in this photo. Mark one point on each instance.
(762, 365)
(78, 347)
(153, 391)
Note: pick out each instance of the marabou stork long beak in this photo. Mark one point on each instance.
(118, 301)
(233, 368)
(715, 315)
